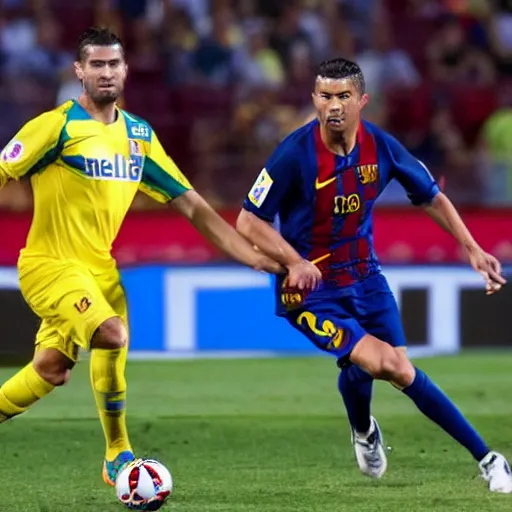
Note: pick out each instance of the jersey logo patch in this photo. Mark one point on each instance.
(13, 151)
(321, 184)
(139, 131)
(83, 304)
(261, 188)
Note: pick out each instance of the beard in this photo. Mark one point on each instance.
(102, 97)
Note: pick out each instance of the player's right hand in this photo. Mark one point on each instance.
(303, 275)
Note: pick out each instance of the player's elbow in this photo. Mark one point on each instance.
(436, 201)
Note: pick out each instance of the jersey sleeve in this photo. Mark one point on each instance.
(35, 146)
(272, 184)
(161, 178)
(413, 175)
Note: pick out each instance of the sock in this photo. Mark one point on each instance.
(434, 404)
(109, 387)
(21, 391)
(355, 386)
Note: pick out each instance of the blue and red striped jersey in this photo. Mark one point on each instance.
(323, 202)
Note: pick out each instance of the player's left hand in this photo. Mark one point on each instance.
(489, 268)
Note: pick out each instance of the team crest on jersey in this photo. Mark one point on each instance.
(135, 148)
(368, 173)
(13, 151)
(261, 188)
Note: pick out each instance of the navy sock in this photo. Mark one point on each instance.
(355, 386)
(434, 404)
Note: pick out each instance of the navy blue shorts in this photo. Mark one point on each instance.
(335, 324)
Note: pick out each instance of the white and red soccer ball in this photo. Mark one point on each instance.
(144, 484)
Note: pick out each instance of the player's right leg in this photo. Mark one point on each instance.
(53, 358)
(384, 362)
(49, 368)
(333, 329)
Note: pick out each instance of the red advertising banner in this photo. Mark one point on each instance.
(404, 235)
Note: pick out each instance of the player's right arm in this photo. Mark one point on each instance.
(210, 224)
(259, 210)
(33, 147)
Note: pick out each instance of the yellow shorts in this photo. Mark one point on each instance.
(71, 302)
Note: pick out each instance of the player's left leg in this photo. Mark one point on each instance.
(109, 349)
(385, 362)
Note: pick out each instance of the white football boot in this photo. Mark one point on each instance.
(369, 449)
(496, 470)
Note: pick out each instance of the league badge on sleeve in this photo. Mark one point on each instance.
(13, 151)
(261, 188)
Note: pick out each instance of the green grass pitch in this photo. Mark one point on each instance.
(259, 435)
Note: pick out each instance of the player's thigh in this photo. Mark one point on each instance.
(112, 288)
(329, 326)
(68, 300)
(381, 317)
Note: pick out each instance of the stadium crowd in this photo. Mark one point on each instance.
(222, 81)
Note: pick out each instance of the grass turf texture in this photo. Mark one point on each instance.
(259, 435)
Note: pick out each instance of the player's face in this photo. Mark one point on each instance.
(103, 73)
(338, 103)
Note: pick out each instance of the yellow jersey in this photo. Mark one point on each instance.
(84, 177)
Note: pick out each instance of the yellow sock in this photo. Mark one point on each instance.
(21, 391)
(109, 386)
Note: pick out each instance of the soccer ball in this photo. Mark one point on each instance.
(144, 484)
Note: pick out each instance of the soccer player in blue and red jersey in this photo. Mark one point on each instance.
(320, 185)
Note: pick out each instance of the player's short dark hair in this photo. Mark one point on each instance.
(342, 68)
(96, 36)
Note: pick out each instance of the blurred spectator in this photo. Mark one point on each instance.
(361, 17)
(453, 59)
(500, 34)
(107, 13)
(45, 60)
(384, 65)
(146, 52)
(197, 10)
(288, 32)
(179, 44)
(315, 23)
(257, 64)
(496, 151)
(69, 88)
(213, 59)
(18, 37)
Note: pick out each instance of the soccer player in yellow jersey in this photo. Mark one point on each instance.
(86, 160)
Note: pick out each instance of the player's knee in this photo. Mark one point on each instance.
(111, 334)
(397, 369)
(53, 366)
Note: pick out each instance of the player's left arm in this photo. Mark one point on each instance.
(164, 182)
(423, 191)
(442, 210)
